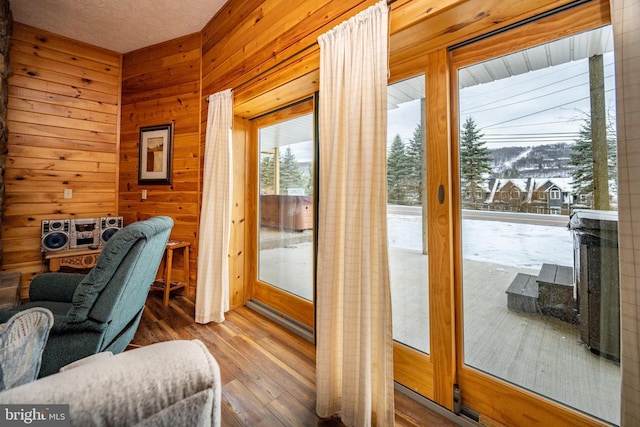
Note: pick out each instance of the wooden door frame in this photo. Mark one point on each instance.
(481, 392)
(287, 304)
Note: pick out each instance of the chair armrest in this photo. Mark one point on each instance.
(54, 286)
(170, 383)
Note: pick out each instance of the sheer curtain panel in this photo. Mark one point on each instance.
(354, 338)
(212, 293)
(625, 15)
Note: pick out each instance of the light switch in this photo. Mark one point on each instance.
(144, 194)
(68, 193)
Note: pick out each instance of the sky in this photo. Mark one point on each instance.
(534, 108)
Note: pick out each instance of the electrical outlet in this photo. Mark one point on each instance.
(68, 193)
(144, 194)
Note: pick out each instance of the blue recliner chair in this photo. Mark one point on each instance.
(99, 311)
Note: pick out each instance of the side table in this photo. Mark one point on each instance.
(165, 284)
(73, 258)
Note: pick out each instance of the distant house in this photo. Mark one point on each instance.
(550, 195)
(474, 196)
(533, 195)
(507, 194)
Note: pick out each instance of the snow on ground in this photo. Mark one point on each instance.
(517, 245)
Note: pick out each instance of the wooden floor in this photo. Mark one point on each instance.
(268, 373)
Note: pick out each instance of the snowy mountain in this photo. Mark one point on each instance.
(532, 162)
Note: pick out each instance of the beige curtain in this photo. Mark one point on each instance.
(354, 337)
(212, 294)
(625, 15)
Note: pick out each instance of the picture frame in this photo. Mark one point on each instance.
(155, 154)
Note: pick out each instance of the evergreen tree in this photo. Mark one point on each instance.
(308, 181)
(290, 172)
(415, 162)
(396, 172)
(291, 175)
(475, 158)
(581, 158)
(266, 174)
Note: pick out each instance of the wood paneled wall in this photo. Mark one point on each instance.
(63, 119)
(161, 84)
(269, 46)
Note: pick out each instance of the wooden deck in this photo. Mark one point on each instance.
(540, 353)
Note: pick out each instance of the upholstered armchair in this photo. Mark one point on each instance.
(99, 311)
(172, 383)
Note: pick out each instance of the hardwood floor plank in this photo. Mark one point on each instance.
(244, 406)
(237, 366)
(291, 412)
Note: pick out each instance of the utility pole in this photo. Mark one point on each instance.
(599, 146)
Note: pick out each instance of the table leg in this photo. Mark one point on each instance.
(167, 276)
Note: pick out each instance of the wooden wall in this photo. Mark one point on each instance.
(161, 84)
(63, 119)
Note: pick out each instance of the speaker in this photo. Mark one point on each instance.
(55, 235)
(84, 233)
(108, 227)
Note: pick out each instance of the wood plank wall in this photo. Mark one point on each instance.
(161, 84)
(63, 119)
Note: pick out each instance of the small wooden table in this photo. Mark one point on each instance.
(165, 284)
(83, 258)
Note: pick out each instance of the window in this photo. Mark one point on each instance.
(285, 215)
(406, 215)
(552, 335)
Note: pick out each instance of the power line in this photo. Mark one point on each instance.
(540, 111)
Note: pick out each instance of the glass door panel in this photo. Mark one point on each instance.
(407, 233)
(406, 214)
(536, 151)
(286, 158)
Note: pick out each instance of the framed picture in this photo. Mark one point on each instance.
(154, 161)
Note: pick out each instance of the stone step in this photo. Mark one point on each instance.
(549, 293)
(522, 294)
(555, 286)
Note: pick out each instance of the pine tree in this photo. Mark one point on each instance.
(581, 158)
(396, 172)
(266, 174)
(415, 162)
(475, 158)
(290, 173)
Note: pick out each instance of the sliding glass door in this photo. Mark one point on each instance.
(407, 224)
(285, 209)
(534, 147)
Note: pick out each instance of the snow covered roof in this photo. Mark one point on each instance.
(564, 184)
(528, 185)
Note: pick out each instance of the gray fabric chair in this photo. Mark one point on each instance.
(22, 341)
(99, 311)
(173, 383)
